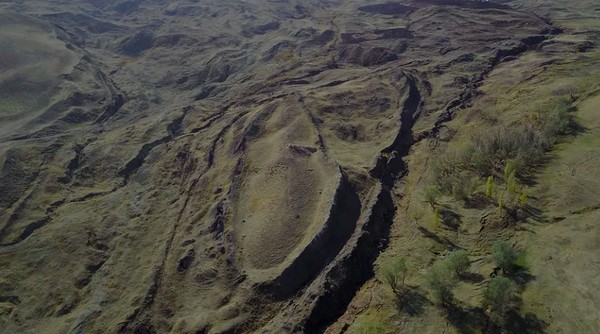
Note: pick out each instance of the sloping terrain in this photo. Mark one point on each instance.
(238, 166)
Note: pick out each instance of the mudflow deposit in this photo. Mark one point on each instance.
(287, 166)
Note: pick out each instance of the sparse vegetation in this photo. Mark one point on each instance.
(509, 152)
(459, 262)
(557, 120)
(499, 295)
(451, 177)
(504, 256)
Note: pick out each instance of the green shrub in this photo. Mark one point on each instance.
(450, 180)
(459, 262)
(520, 144)
(504, 256)
(465, 186)
(509, 168)
(511, 182)
(489, 186)
(441, 280)
(523, 199)
(393, 272)
(501, 202)
(437, 219)
(432, 194)
(511, 152)
(500, 295)
(556, 120)
(444, 172)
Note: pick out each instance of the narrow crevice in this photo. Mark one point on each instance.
(134, 164)
(32, 228)
(348, 275)
(73, 164)
(91, 195)
(219, 137)
(14, 217)
(115, 105)
(29, 229)
(117, 100)
(174, 129)
(209, 122)
(463, 101)
(390, 164)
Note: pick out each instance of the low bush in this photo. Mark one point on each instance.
(459, 262)
(393, 272)
(500, 295)
(556, 120)
(519, 147)
(441, 280)
(432, 194)
(504, 256)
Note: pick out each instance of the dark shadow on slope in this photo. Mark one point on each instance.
(441, 240)
(524, 324)
(450, 218)
(521, 276)
(478, 201)
(412, 303)
(467, 320)
(473, 278)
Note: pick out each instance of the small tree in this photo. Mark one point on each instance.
(441, 280)
(504, 255)
(499, 295)
(509, 168)
(489, 186)
(459, 262)
(511, 182)
(394, 273)
(432, 194)
(523, 199)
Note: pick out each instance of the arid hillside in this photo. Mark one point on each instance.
(317, 166)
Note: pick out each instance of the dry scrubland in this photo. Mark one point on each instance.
(299, 166)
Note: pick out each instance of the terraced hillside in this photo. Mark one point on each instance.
(226, 166)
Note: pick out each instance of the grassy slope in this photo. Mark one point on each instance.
(560, 290)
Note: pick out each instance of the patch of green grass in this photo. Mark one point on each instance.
(368, 324)
(521, 260)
